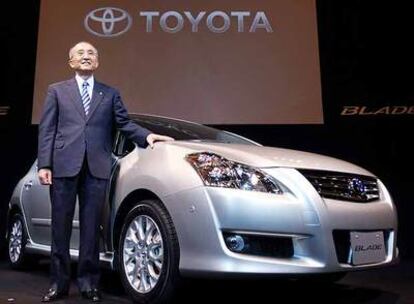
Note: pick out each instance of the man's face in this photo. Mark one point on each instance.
(83, 58)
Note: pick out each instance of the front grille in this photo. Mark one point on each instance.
(343, 186)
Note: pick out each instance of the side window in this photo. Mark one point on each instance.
(117, 146)
(122, 145)
(127, 147)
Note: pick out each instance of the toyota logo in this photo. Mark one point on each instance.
(357, 187)
(107, 22)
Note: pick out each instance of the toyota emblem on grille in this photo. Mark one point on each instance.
(357, 187)
(107, 22)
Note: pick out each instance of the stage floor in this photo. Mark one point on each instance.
(390, 285)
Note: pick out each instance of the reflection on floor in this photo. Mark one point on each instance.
(389, 285)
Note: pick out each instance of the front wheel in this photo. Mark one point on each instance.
(148, 253)
(17, 239)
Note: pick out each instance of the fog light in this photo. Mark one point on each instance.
(235, 243)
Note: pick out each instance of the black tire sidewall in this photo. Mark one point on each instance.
(169, 273)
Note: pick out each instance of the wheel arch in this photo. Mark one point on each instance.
(127, 205)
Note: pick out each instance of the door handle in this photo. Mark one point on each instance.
(28, 185)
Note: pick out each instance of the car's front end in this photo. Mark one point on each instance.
(309, 214)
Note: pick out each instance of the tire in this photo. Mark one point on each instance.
(149, 249)
(16, 243)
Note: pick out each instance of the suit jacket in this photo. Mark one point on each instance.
(66, 133)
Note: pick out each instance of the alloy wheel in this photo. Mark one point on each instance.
(143, 253)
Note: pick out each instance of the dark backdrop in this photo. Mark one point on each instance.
(366, 59)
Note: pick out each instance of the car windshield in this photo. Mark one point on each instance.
(184, 130)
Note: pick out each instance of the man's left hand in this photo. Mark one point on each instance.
(152, 138)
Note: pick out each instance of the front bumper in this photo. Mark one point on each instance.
(201, 216)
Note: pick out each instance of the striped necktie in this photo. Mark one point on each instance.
(86, 99)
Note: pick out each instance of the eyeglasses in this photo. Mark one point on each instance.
(81, 53)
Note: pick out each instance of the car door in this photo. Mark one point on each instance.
(109, 211)
(121, 147)
(35, 199)
(36, 204)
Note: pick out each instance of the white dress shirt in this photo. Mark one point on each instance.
(90, 81)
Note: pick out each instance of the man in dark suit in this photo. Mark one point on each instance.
(74, 158)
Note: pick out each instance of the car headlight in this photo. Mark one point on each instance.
(217, 171)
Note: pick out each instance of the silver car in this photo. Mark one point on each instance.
(215, 204)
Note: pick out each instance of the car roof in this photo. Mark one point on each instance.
(144, 115)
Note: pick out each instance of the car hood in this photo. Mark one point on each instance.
(268, 157)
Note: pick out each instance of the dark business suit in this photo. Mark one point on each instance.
(77, 148)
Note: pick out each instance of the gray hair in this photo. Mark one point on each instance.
(71, 49)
